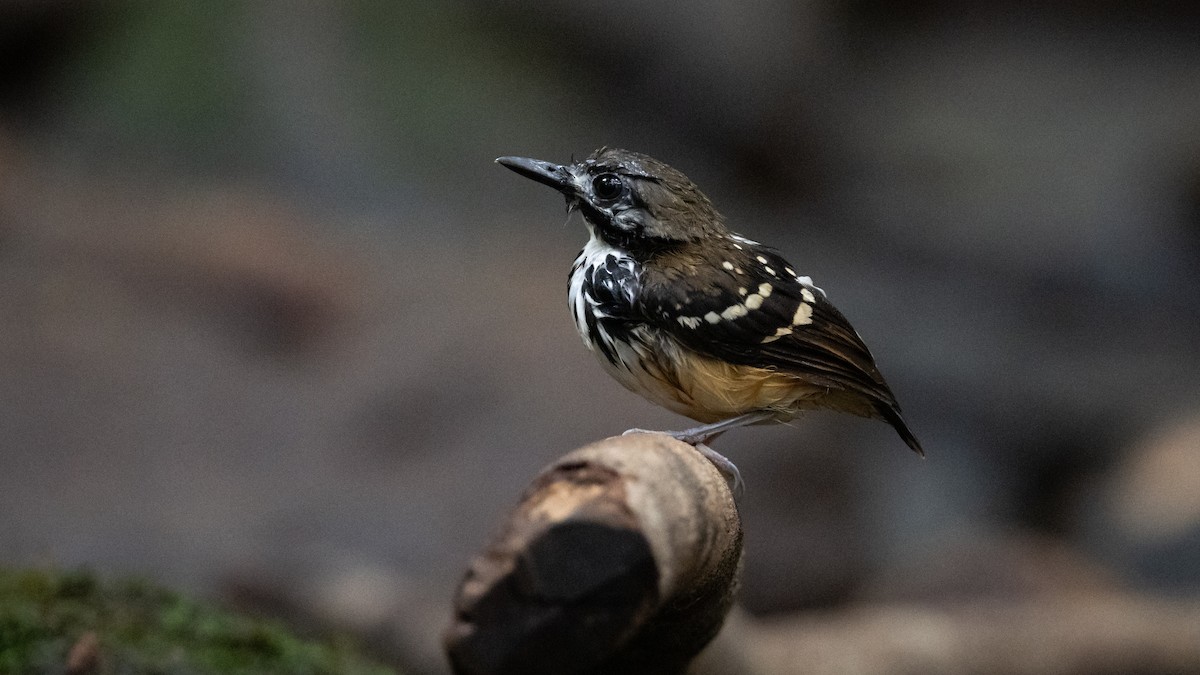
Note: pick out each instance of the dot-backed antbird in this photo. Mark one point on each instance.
(696, 318)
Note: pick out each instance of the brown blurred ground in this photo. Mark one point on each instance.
(272, 319)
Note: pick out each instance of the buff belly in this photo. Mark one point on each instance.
(704, 389)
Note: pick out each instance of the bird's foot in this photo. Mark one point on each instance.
(698, 437)
(690, 436)
(727, 469)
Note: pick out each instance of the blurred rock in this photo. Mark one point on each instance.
(255, 265)
(1155, 493)
(1084, 634)
(1144, 519)
(971, 567)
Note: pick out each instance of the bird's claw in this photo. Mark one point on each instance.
(643, 431)
(727, 469)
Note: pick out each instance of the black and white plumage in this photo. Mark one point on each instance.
(698, 319)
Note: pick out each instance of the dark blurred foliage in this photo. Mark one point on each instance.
(269, 311)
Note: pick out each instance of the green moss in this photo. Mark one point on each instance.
(143, 629)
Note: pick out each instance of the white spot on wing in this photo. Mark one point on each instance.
(803, 315)
(807, 295)
(762, 260)
(734, 311)
(778, 334)
(741, 290)
(689, 321)
(754, 301)
(764, 290)
(712, 317)
(727, 265)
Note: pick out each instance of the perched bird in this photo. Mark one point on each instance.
(698, 319)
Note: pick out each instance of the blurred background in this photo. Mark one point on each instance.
(276, 330)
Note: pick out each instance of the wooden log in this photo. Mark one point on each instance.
(621, 557)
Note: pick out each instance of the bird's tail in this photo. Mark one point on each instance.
(891, 414)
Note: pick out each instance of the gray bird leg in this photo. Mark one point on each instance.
(700, 436)
(708, 432)
(727, 469)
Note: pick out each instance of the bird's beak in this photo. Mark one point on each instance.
(556, 176)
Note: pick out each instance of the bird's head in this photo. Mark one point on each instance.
(632, 201)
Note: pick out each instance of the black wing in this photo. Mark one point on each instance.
(755, 310)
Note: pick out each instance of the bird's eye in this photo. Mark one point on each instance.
(607, 186)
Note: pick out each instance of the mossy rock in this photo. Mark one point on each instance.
(51, 619)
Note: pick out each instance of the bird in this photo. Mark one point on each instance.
(697, 318)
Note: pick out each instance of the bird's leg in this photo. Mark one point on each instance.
(706, 433)
(727, 469)
(700, 436)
